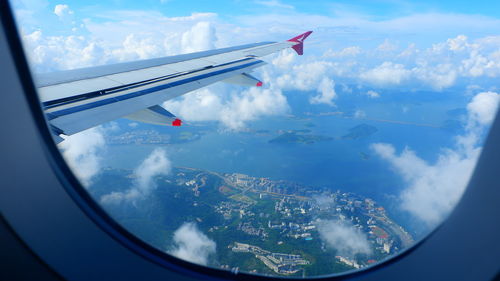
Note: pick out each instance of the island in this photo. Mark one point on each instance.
(299, 137)
(359, 132)
(152, 137)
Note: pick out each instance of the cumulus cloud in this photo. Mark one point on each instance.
(359, 114)
(483, 107)
(326, 88)
(63, 11)
(200, 37)
(50, 53)
(303, 76)
(137, 46)
(345, 52)
(155, 164)
(233, 109)
(343, 237)
(373, 94)
(433, 189)
(386, 74)
(192, 245)
(439, 76)
(82, 153)
(387, 46)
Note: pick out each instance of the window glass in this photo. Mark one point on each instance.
(342, 158)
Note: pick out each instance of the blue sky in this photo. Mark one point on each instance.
(233, 10)
(377, 9)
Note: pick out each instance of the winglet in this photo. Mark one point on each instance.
(299, 48)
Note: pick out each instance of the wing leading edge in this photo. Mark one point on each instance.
(77, 100)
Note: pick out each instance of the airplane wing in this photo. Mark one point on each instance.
(76, 100)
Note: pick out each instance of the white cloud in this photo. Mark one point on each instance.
(343, 237)
(82, 153)
(303, 76)
(285, 59)
(483, 107)
(386, 74)
(154, 165)
(432, 190)
(200, 37)
(457, 44)
(138, 46)
(346, 52)
(326, 88)
(233, 109)
(192, 245)
(63, 11)
(359, 114)
(373, 94)
(252, 104)
(50, 53)
(387, 46)
(437, 76)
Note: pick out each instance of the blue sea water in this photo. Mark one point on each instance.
(335, 164)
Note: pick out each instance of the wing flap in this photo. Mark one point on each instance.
(244, 79)
(155, 114)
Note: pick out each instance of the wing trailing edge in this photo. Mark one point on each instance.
(244, 79)
(156, 115)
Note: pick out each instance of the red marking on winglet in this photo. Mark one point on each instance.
(259, 84)
(299, 48)
(177, 122)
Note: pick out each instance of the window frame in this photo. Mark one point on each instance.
(60, 215)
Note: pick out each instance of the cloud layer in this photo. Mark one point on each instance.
(192, 245)
(433, 189)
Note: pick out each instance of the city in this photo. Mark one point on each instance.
(279, 223)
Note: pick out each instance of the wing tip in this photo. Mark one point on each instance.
(299, 47)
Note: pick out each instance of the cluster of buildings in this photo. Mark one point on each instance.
(278, 262)
(349, 262)
(266, 185)
(249, 229)
(140, 137)
(228, 208)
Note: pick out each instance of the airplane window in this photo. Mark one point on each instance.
(232, 137)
